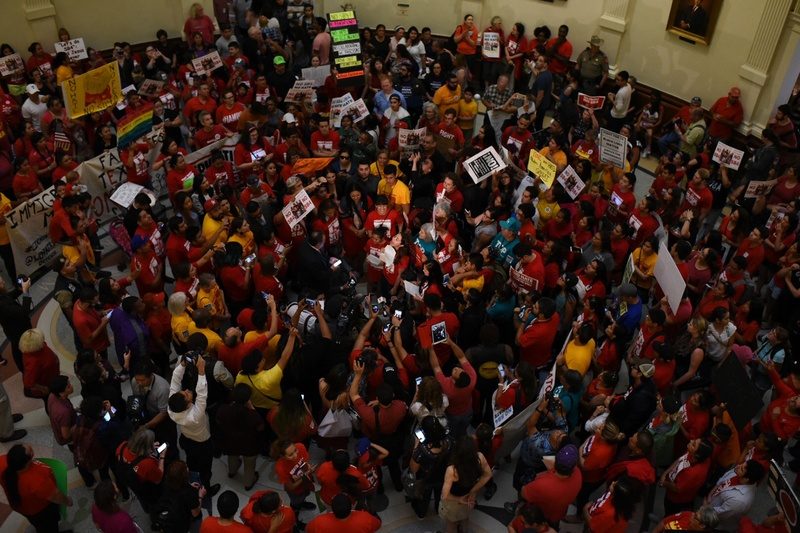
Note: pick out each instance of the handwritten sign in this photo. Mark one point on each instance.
(74, 48)
(346, 48)
(317, 75)
(613, 148)
(542, 168)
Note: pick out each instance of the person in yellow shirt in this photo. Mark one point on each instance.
(644, 266)
(579, 351)
(259, 319)
(5, 241)
(61, 66)
(382, 160)
(468, 276)
(547, 207)
(240, 233)
(265, 379)
(555, 154)
(201, 323)
(447, 96)
(181, 321)
(214, 222)
(396, 191)
(211, 299)
(467, 111)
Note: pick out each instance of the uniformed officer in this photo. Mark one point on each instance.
(593, 66)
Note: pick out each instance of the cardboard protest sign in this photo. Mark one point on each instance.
(736, 389)
(500, 416)
(591, 102)
(571, 182)
(92, 92)
(483, 164)
(410, 140)
(338, 105)
(357, 110)
(346, 48)
(317, 75)
(613, 148)
(207, 63)
(759, 188)
(490, 47)
(151, 88)
(542, 168)
(298, 209)
(11, 64)
(74, 48)
(126, 192)
(669, 278)
(728, 156)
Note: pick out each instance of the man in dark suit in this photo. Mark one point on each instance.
(693, 19)
(313, 272)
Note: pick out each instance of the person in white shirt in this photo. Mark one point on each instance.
(733, 495)
(224, 40)
(621, 101)
(188, 409)
(34, 107)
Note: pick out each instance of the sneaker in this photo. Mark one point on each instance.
(255, 480)
(214, 489)
(17, 417)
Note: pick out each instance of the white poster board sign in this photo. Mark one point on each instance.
(613, 148)
(571, 182)
(74, 48)
(669, 278)
(727, 156)
(483, 164)
(298, 209)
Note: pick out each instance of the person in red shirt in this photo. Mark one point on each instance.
(752, 249)
(782, 416)
(634, 460)
(382, 216)
(435, 315)
(698, 196)
(611, 512)
(450, 133)
(265, 513)
(324, 141)
(137, 167)
(535, 338)
(528, 274)
(623, 200)
(208, 133)
(686, 476)
(726, 115)
(643, 221)
(559, 51)
(220, 172)
(449, 189)
(201, 102)
(554, 490)
(89, 325)
(227, 505)
(344, 519)
(458, 387)
(177, 246)
(26, 182)
(595, 454)
(35, 494)
(146, 267)
(227, 115)
(696, 415)
(181, 177)
(329, 472)
(294, 470)
(516, 138)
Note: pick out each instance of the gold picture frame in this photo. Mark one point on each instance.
(694, 20)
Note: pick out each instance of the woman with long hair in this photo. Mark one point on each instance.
(106, 513)
(702, 266)
(693, 367)
(613, 510)
(180, 499)
(394, 269)
(429, 400)
(428, 463)
(145, 466)
(292, 419)
(30, 488)
(40, 363)
(235, 275)
(467, 474)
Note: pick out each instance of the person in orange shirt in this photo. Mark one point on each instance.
(265, 512)
(227, 505)
(466, 39)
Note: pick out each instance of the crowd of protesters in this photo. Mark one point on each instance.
(243, 330)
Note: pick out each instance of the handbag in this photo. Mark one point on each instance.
(336, 423)
(410, 484)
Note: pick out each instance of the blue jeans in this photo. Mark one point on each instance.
(666, 140)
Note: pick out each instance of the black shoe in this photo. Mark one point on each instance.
(490, 490)
(251, 485)
(213, 490)
(511, 507)
(18, 434)
(308, 505)
(17, 417)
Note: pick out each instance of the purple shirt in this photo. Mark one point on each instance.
(119, 522)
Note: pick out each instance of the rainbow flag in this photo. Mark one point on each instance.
(133, 125)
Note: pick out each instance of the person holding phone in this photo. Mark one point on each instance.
(458, 387)
(139, 466)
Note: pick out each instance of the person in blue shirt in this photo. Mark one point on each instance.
(382, 97)
(503, 244)
(629, 314)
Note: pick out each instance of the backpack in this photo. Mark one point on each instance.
(137, 409)
(127, 472)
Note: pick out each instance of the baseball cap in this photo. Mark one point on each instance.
(567, 457)
(628, 289)
(645, 366)
(363, 445)
(511, 224)
(239, 63)
(210, 204)
(696, 100)
(31, 88)
(293, 181)
(289, 118)
(279, 60)
(137, 242)
(252, 180)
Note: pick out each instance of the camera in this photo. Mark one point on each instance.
(191, 357)
(368, 358)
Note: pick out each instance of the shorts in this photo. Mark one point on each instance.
(453, 511)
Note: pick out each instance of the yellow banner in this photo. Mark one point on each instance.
(94, 91)
(542, 168)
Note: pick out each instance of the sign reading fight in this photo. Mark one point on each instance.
(346, 47)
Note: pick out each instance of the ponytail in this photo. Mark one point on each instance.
(18, 459)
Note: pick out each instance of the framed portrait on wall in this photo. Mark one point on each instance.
(694, 20)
